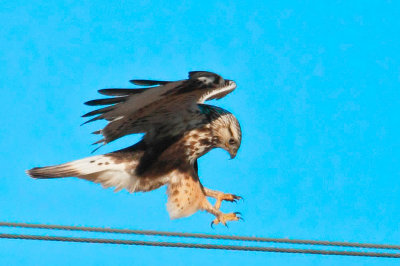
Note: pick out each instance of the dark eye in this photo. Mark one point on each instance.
(232, 141)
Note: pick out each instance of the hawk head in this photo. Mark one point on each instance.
(226, 131)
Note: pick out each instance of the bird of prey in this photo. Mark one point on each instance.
(178, 129)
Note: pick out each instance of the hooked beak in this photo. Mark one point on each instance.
(232, 153)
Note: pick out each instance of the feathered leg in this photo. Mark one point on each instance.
(186, 195)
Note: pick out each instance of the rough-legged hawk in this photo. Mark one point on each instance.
(178, 129)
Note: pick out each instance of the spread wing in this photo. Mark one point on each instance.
(160, 106)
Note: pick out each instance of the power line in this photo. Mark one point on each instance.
(202, 236)
(200, 246)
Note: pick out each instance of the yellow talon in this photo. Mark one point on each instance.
(227, 197)
(226, 217)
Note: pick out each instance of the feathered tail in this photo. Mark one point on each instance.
(76, 168)
(102, 169)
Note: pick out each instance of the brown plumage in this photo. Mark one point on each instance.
(167, 154)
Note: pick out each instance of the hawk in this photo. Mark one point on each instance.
(178, 129)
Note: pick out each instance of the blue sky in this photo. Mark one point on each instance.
(318, 100)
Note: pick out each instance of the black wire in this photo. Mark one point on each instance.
(203, 236)
(201, 246)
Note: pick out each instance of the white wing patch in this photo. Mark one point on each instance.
(207, 80)
(221, 91)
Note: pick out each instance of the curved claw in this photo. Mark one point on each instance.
(239, 216)
(212, 224)
(237, 198)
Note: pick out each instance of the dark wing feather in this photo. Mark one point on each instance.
(120, 92)
(99, 111)
(92, 120)
(168, 106)
(106, 101)
(197, 74)
(146, 82)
